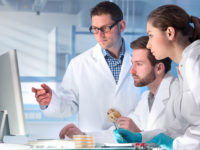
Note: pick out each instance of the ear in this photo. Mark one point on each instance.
(160, 68)
(170, 33)
(122, 24)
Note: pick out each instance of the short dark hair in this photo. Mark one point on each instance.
(141, 43)
(107, 7)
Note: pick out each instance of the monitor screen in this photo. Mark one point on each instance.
(11, 96)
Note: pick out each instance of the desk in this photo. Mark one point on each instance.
(64, 144)
(26, 147)
(69, 145)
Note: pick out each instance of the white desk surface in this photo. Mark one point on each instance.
(58, 145)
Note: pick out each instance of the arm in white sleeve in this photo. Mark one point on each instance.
(65, 102)
(140, 115)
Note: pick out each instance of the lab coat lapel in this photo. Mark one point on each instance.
(160, 100)
(126, 65)
(98, 55)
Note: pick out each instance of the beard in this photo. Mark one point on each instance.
(149, 78)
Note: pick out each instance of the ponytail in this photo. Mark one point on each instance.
(196, 22)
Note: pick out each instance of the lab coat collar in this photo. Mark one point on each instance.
(185, 54)
(97, 52)
(126, 64)
(188, 64)
(99, 57)
(163, 90)
(189, 47)
(161, 98)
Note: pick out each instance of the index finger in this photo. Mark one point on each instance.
(64, 131)
(67, 127)
(34, 90)
(46, 87)
(71, 125)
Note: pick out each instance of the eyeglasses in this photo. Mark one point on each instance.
(103, 29)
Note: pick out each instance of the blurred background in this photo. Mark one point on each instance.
(47, 34)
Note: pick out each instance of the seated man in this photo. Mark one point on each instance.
(156, 109)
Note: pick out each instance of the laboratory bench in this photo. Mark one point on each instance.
(69, 145)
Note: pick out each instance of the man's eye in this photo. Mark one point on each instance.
(94, 28)
(105, 28)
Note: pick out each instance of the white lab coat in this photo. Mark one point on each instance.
(163, 111)
(186, 127)
(89, 89)
(189, 68)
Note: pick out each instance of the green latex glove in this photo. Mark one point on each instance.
(163, 141)
(125, 136)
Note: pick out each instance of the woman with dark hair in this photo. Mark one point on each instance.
(175, 34)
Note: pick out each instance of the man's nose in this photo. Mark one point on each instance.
(132, 70)
(100, 33)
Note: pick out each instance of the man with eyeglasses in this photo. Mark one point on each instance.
(97, 79)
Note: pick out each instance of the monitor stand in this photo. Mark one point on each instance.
(4, 126)
(5, 136)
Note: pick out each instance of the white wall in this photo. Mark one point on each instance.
(28, 33)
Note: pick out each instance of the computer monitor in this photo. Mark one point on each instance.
(11, 104)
